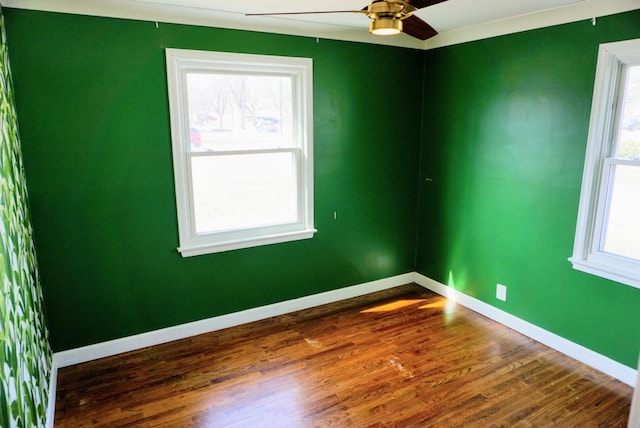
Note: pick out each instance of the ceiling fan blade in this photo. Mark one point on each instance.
(302, 13)
(419, 4)
(417, 28)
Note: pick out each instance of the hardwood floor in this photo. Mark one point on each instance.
(402, 357)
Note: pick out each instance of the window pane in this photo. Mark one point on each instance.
(622, 231)
(232, 192)
(629, 147)
(232, 111)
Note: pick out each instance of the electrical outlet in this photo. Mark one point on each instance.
(501, 292)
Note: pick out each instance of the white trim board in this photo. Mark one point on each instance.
(155, 11)
(156, 337)
(51, 405)
(583, 10)
(634, 415)
(573, 350)
(131, 343)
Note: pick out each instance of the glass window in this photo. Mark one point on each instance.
(621, 225)
(240, 191)
(608, 233)
(242, 149)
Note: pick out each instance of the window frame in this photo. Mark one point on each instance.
(179, 62)
(599, 167)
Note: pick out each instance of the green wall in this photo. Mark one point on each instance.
(501, 146)
(25, 354)
(505, 126)
(92, 100)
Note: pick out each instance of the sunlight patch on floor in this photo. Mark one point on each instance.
(440, 303)
(399, 304)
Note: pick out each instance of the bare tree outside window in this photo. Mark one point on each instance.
(229, 109)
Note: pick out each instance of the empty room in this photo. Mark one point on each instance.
(304, 214)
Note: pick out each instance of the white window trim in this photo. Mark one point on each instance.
(587, 257)
(181, 61)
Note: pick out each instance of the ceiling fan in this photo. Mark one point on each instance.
(387, 17)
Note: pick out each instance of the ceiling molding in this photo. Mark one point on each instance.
(155, 12)
(128, 9)
(585, 10)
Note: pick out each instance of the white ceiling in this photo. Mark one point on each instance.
(446, 16)
(456, 20)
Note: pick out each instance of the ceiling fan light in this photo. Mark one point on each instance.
(385, 26)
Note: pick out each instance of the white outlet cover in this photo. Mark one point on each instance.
(501, 292)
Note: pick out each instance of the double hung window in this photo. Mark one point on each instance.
(242, 149)
(608, 234)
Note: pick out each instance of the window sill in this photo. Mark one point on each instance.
(604, 271)
(218, 247)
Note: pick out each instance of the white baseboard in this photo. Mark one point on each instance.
(130, 343)
(53, 382)
(573, 350)
(156, 337)
(634, 415)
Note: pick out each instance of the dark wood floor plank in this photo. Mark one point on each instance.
(403, 357)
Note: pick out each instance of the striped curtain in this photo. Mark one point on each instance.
(25, 353)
